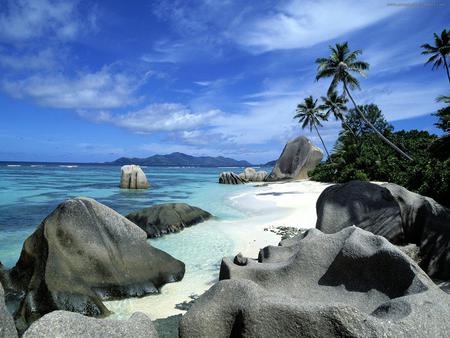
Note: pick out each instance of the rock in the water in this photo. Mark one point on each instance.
(299, 157)
(348, 284)
(73, 325)
(7, 328)
(393, 212)
(251, 175)
(132, 177)
(166, 218)
(83, 253)
(229, 177)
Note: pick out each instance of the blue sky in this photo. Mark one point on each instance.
(87, 81)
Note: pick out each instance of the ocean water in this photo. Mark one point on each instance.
(29, 192)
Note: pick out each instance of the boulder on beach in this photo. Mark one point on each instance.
(73, 325)
(132, 177)
(7, 328)
(83, 253)
(393, 212)
(348, 284)
(251, 175)
(228, 177)
(166, 218)
(299, 157)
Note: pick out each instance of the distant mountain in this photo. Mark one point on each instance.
(270, 164)
(182, 160)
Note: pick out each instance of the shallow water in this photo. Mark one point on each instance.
(28, 193)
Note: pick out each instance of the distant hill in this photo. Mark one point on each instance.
(182, 160)
(270, 164)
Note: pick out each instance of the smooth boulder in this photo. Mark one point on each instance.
(83, 253)
(132, 177)
(298, 158)
(393, 212)
(166, 218)
(73, 325)
(229, 177)
(348, 284)
(7, 328)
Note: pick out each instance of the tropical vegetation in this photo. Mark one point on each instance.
(364, 147)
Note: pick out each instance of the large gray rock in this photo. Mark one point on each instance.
(7, 328)
(393, 212)
(299, 157)
(83, 253)
(73, 325)
(132, 177)
(166, 218)
(229, 177)
(348, 284)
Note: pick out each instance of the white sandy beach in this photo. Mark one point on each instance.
(272, 205)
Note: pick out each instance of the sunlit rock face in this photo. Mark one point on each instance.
(348, 284)
(84, 253)
(132, 177)
(298, 158)
(393, 212)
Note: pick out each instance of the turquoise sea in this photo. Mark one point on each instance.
(29, 192)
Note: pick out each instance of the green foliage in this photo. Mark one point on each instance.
(443, 116)
(367, 157)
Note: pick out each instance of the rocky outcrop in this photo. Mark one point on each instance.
(166, 218)
(393, 212)
(83, 253)
(251, 175)
(7, 328)
(229, 177)
(299, 157)
(348, 284)
(132, 177)
(73, 325)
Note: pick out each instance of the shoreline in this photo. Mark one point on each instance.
(264, 206)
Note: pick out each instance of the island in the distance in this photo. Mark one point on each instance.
(182, 160)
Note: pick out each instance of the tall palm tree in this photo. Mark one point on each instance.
(341, 63)
(440, 51)
(335, 104)
(310, 114)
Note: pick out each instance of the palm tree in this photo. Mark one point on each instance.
(341, 63)
(334, 103)
(440, 51)
(310, 114)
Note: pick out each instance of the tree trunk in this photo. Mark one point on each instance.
(446, 68)
(392, 145)
(324, 147)
(348, 127)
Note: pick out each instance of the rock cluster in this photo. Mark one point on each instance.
(81, 254)
(132, 177)
(299, 157)
(393, 212)
(73, 325)
(249, 175)
(167, 218)
(348, 284)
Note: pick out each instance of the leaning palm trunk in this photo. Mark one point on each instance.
(349, 129)
(324, 147)
(446, 68)
(397, 149)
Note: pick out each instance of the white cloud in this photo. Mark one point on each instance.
(43, 59)
(27, 19)
(156, 117)
(304, 23)
(104, 89)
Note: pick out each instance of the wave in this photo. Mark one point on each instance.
(68, 166)
(36, 165)
(13, 165)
